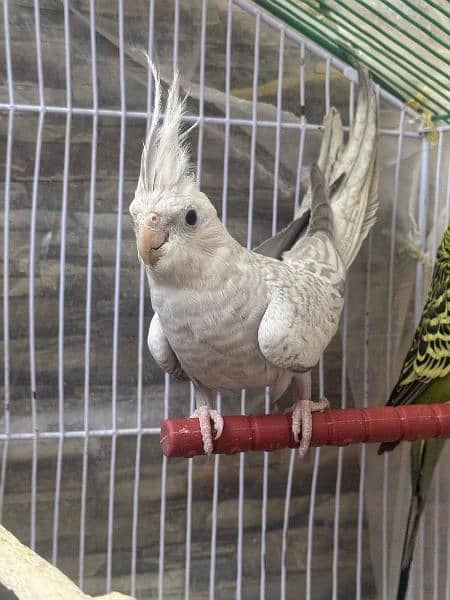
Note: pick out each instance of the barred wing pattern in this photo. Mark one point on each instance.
(429, 355)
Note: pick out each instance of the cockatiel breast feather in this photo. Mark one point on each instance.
(307, 299)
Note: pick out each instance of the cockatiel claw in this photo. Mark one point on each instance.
(205, 415)
(302, 421)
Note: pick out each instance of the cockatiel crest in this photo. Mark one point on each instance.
(168, 206)
(165, 165)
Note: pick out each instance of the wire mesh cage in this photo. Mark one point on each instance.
(82, 477)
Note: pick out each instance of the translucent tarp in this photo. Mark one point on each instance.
(405, 43)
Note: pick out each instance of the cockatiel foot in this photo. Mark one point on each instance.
(302, 421)
(205, 415)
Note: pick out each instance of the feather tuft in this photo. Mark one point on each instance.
(165, 161)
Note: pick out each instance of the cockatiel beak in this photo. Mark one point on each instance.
(152, 234)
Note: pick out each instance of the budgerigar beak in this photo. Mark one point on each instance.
(151, 237)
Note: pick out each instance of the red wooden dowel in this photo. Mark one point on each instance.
(181, 437)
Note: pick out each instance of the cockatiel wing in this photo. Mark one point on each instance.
(300, 320)
(305, 305)
(284, 239)
(161, 350)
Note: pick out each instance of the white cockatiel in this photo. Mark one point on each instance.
(228, 318)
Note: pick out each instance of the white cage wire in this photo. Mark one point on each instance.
(80, 464)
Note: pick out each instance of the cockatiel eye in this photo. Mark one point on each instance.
(191, 217)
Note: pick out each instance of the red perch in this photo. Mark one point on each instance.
(181, 437)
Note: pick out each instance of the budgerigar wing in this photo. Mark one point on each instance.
(429, 355)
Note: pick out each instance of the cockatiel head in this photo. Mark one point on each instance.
(174, 221)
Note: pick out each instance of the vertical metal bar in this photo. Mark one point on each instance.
(321, 392)
(351, 103)
(187, 566)
(340, 457)
(419, 584)
(7, 408)
(32, 273)
(251, 199)
(293, 453)
(227, 110)
(162, 515)
(362, 462)
(8, 54)
(447, 580)
(312, 500)
(311, 522)
(447, 575)
(116, 298)
(88, 307)
(436, 512)
(240, 539)
(137, 460)
(140, 357)
(385, 498)
(215, 502)
(32, 337)
(187, 573)
(262, 579)
(418, 306)
(274, 230)
(337, 497)
(301, 146)
(62, 271)
(276, 167)
(436, 534)
(212, 570)
(284, 536)
(37, 33)
(362, 468)
(8, 163)
(392, 256)
(412, 577)
(435, 241)
(201, 103)
(447, 204)
(251, 186)
(422, 224)
(327, 85)
(176, 34)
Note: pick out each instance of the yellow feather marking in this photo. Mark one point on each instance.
(434, 353)
(431, 337)
(427, 372)
(440, 320)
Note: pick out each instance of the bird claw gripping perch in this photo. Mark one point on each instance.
(204, 414)
(302, 421)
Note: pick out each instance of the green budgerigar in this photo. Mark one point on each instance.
(425, 378)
